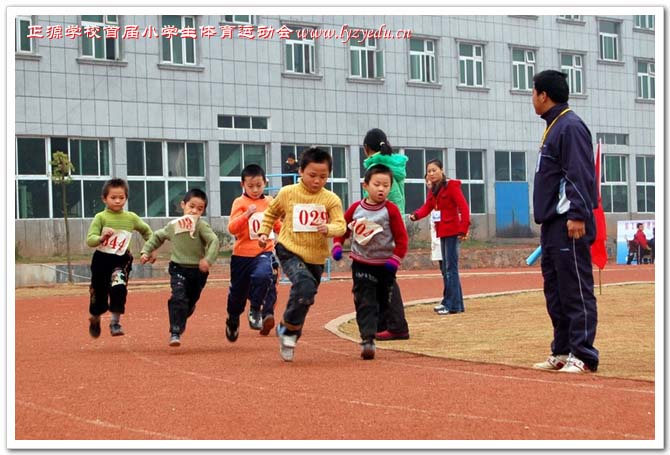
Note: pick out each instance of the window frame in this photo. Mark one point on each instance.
(233, 21)
(645, 185)
(573, 71)
(648, 23)
(183, 43)
(427, 61)
(18, 35)
(649, 76)
(476, 60)
(527, 66)
(366, 49)
(608, 186)
(468, 182)
(427, 154)
(234, 177)
(510, 168)
(105, 22)
(308, 48)
(190, 180)
(615, 37)
(78, 178)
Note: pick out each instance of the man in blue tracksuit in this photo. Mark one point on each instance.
(564, 196)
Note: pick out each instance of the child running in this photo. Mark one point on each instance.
(379, 243)
(252, 272)
(312, 214)
(195, 247)
(110, 234)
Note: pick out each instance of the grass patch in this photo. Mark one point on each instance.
(515, 330)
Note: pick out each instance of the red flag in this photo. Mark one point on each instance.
(599, 247)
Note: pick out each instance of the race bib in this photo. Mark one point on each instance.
(363, 230)
(255, 222)
(117, 243)
(435, 216)
(307, 217)
(185, 224)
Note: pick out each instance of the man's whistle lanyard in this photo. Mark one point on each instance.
(546, 131)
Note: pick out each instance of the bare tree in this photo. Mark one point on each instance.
(61, 174)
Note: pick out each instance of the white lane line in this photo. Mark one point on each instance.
(96, 422)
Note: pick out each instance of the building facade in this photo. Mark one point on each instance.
(175, 102)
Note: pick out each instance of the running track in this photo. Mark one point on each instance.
(71, 387)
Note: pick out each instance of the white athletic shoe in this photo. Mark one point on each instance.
(553, 363)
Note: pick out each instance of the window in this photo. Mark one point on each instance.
(367, 61)
(422, 60)
(571, 17)
(644, 22)
(175, 49)
(244, 122)
(232, 159)
(415, 182)
(299, 52)
(609, 40)
(103, 43)
(571, 64)
(614, 187)
(644, 170)
(23, 43)
(510, 166)
(159, 173)
(38, 197)
(612, 138)
(523, 69)
(646, 80)
(471, 65)
(338, 182)
(470, 170)
(247, 20)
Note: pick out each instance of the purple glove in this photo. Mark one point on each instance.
(392, 265)
(337, 252)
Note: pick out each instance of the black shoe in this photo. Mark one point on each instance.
(232, 330)
(115, 329)
(94, 327)
(255, 321)
(368, 349)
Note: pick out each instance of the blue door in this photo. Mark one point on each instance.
(512, 214)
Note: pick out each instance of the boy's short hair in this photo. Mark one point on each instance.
(195, 192)
(315, 155)
(378, 169)
(114, 183)
(553, 83)
(253, 170)
(639, 225)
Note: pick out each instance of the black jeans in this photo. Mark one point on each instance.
(373, 288)
(109, 282)
(187, 283)
(305, 279)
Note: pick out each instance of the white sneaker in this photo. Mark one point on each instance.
(439, 307)
(287, 344)
(553, 363)
(574, 365)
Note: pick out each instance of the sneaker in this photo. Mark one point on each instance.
(287, 344)
(255, 320)
(268, 324)
(574, 365)
(443, 311)
(368, 349)
(553, 363)
(437, 308)
(232, 330)
(387, 335)
(115, 329)
(175, 340)
(94, 326)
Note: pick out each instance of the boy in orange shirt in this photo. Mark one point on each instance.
(253, 270)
